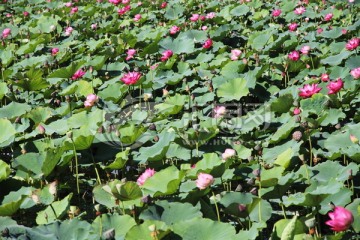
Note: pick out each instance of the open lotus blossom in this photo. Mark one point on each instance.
(166, 55)
(340, 219)
(54, 51)
(174, 30)
(145, 175)
(68, 4)
(204, 180)
(68, 31)
(235, 54)
(91, 99)
(124, 10)
(130, 54)
(325, 77)
(328, 17)
(137, 17)
(305, 50)
(294, 56)
(115, 2)
(219, 111)
(6, 32)
(296, 111)
(228, 153)
(300, 10)
(208, 43)
(293, 27)
(276, 12)
(352, 44)
(319, 30)
(131, 78)
(335, 86)
(74, 10)
(210, 15)
(194, 17)
(355, 73)
(309, 90)
(78, 74)
(204, 28)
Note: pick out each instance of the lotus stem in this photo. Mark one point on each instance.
(76, 167)
(216, 206)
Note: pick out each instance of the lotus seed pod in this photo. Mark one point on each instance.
(297, 135)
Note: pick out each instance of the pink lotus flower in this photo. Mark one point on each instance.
(68, 31)
(68, 4)
(235, 54)
(228, 153)
(131, 78)
(355, 73)
(74, 10)
(343, 31)
(130, 54)
(194, 17)
(41, 129)
(325, 77)
(25, 13)
(352, 44)
(354, 139)
(166, 55)
(293, 27)
(294, 56)
(276, 12)
(328, 17)
(115, 2)
(204, 28)
(341, 219)
(309, 90)
(204, 180)
(335, 86)
(78, 74)
(94, 26)
(300, 10)
(210, 15)
(163, 5)
(219, 111)
(6, 32)
(137, 17)
(143, 177)
(202, 18)
(208, 43)
(125, 1)
(54, 51)
(174, 30)
(91, 99)
(296, 111)
(124, 10)
(319, 30)
(153, 67)
(305, 50)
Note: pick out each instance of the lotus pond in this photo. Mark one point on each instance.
(179, 119)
